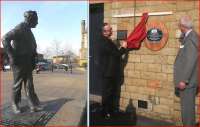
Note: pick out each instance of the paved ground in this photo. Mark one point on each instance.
(122, 118)
(53, 87)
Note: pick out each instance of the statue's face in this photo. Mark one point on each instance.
(33, 21)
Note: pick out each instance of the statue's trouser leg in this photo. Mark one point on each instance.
(17, 85)
(30, 91)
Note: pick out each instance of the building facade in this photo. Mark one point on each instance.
(62, 59)
(148, 75)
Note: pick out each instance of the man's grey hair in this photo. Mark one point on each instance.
(186, 21)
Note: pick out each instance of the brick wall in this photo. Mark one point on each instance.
(149, 74)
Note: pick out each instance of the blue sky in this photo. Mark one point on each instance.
(58, 20)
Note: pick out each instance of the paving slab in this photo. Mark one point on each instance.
(63, 95)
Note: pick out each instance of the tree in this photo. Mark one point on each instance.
(47, 53)
(55, 45)
(55, 49)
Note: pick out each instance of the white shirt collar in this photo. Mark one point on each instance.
(187, 33)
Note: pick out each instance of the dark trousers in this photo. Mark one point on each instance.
(22, 74)
(110, 94)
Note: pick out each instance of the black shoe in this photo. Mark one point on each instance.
(16, 109)
(106, 116)
(36, 108)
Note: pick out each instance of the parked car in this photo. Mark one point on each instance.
(66, 67)
(7, 67)
(42, 66)
(61, 66)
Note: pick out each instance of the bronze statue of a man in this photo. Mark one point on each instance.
(20, 45)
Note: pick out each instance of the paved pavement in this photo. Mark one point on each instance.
(55, 86)
(122, 118)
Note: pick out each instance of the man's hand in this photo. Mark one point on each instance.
(124, 44)
(182, 85)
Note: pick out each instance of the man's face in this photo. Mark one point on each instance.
(107, 31)
(182, 29)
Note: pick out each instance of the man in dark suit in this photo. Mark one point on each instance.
(186, 70)
(22, 53)
(110, 57)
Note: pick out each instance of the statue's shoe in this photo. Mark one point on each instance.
(16, 109)
(36, 108)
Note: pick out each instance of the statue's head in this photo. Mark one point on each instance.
(31, 18)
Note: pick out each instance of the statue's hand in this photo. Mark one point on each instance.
(12, 60)
(34, 58)
(35, 54)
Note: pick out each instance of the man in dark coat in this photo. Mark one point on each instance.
(20, 46)
(110, 57)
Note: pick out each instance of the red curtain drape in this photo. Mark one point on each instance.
(139, 33)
